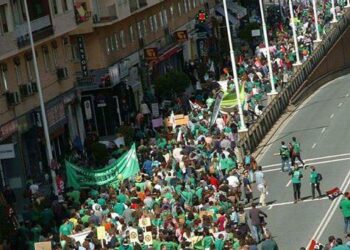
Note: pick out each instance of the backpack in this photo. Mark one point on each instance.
(285, 152)
(319, 177)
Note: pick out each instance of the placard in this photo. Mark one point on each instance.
(7, 151)
(145, 222)
(147, 238)
(80, 237)
(179, 120)
(45, 245)
(155, 109)
(256, 33)
(156, 123)
(101, 233)
(133, 234)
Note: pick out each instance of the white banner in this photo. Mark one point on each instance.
(7, 151)
(80, 236)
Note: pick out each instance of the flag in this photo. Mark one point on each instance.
(123, 168)
(230, 99)
(216, 108)
(314, 245)
(194, 105)
(172, 120)
(333, 193)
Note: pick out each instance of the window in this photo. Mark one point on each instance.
(30, 66)
(116, 41)
(3, 19)
(18, 70)
(54, 6)
(139, 29)
(194, 3)
(131, 33)
(67, 49)
(122, 39)
(185, 6)
(64, 5)
(108, 49)
(4, 77)
(150, 19)
(54, 52)
(161, 19)
(144, 27)
(179, 8)
(189, 4)
(171, 10)
(113, 41)
(47, 58)
(165, 18)
(155, 22)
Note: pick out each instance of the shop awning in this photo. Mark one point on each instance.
(231, 18)
(168, 53)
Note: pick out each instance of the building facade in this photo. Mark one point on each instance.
(22, 144)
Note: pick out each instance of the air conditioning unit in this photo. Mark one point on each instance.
(62, 73)
(26, 89)
(12, 98)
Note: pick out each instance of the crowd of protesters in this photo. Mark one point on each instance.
(195, 185)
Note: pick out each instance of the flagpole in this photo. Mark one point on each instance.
(41, 99)
(243, 127)
(267, 47)
(334, 13)
(318, 37)
(294, 33)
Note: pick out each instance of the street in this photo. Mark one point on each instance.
(321, 126)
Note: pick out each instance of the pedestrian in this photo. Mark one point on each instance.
(330, 244)
(256, 215)
(247, 187)
(296, 152)
(261, 186)
(269, 243)
(315, 180)
(296, 176)
(345, 208)
(284, 153)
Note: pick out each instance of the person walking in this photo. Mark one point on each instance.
(269, 243)
(315, 180)
(296, 152)
(256, 215)
(345, 208)
(296, 176)
(261, 185)
(284, 153)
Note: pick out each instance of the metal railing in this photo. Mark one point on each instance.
(37, 24)
(276, 107)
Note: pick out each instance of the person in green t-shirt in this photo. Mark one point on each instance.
(315, 179)
(296, 152)
(296, 176)
(219, 242)
(208, 241)
(66, 228)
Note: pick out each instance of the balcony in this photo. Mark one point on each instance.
(107, 14)
(41, 28)
(135, 5)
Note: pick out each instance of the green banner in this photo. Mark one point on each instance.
(230, 98)
(123, 168)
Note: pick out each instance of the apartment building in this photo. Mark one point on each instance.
(22, 147)
(122, 45)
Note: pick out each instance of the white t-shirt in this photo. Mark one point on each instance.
(233, 181)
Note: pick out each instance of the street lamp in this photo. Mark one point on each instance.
(334, 13)
(294, 33)
(41, 99)
(318, 37)
(243, 128)
(267, 47)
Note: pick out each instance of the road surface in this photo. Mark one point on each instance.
(322, 126)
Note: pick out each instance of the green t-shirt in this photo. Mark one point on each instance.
(85, 219)
(313, 177)
(74, 195)
(122, 198)
(66, 229)
(207, 241)
(119, 208)
(296, 176)
(219, 244)
(101, 201)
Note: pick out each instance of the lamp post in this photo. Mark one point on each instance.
(334, 13)
(41, 99)
(272, 82)
(318, 37)
(243, 127)
(347, 4)
(294, 33)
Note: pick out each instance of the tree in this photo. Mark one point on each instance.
(173, 82)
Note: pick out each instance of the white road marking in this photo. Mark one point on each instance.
(323, 130)
(340, 104)
(288, 183)
(347, 95)
(332, 115)
(313, 163)
(314, 145)
(329, 214)
(311, 159)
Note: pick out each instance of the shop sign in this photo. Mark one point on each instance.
(151, 54)
(8, 129)
(55, 114)
(181, 35)
(7, 151)
(83, 62)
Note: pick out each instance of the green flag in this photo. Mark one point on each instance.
(230, 99)
(123, 168)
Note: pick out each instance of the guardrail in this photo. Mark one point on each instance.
(276, 107)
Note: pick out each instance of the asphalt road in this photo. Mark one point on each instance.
(322, 126)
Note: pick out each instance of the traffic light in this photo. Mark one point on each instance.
(202, 16)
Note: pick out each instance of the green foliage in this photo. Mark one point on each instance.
(173, 82)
